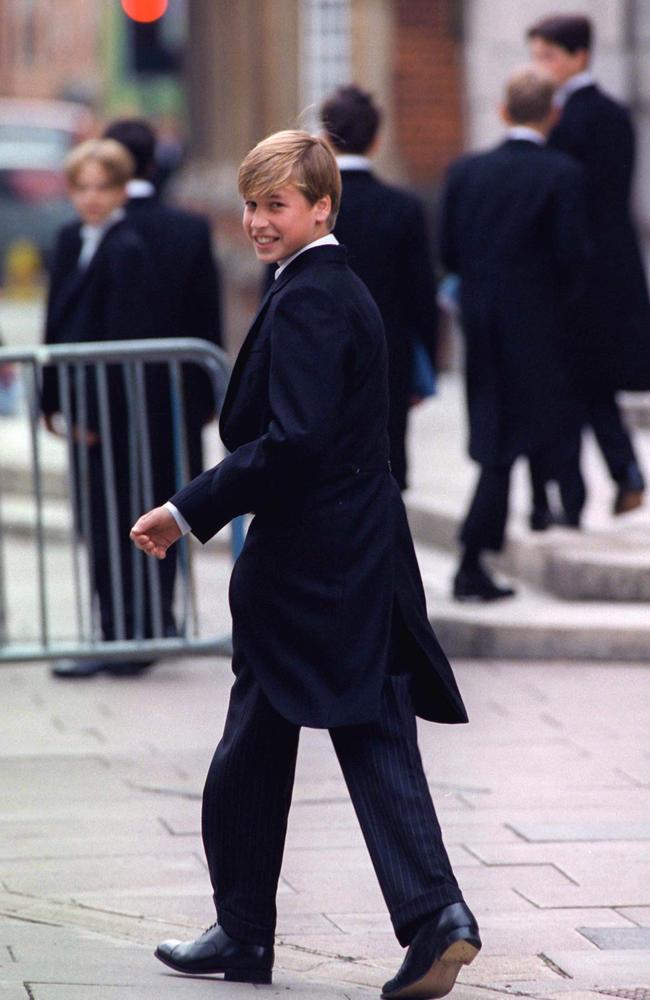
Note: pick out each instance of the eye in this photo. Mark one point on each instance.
(277, 204)
(250, 205)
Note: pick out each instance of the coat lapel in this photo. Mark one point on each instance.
(318, 254)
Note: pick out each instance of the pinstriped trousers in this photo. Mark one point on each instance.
(248, 793)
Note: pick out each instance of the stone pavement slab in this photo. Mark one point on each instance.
(100, 853)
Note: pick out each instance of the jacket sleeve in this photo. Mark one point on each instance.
(569, 221)
(419, 279)
(446, 241)
(311, 344)
(50, 402)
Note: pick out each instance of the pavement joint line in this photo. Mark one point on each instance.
(617, 910)
(29, 991)
(553, 966)
(179, 793)
(565, 874)
(12, 915)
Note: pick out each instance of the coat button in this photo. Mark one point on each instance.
(356, 470)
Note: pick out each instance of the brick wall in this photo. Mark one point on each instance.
(428, 87)
(48, 48)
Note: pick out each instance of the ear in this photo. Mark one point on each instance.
(323, 208)
(504, 115)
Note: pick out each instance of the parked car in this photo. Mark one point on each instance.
(34, 139)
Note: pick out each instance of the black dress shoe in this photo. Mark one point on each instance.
(215, 951)
(89, 668)
(540, 519)
(477, 585)
(627, 500)
(445, 943)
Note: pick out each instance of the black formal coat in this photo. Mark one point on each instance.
(180, 247)
(612, 346)
(385, 232)
(113, 298)
(512, 226)
(328, 552)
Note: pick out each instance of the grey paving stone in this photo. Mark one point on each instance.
(581, 831)
(603, 969)
(616, 938)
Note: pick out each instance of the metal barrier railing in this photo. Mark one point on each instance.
(116, 602)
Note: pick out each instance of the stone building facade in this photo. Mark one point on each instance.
(49, 49)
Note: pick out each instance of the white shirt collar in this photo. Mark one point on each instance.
(89, 229)
(575, 82)
(524, 132)
(353, 161)
(322, 241)
(92, 235)
(138, 187)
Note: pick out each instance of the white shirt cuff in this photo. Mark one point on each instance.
(178, 517)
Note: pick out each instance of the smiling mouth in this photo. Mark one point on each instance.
(265, 241)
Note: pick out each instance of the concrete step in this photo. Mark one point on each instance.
(609, 562)
(18, 518)
(531, 625)
(636, 406)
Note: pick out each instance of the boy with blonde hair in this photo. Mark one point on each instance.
(102, 288)
(329, 620)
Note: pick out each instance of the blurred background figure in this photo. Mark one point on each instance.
(512, 228)
(180, 247)
(385, 232)
(610, 339)
(102, 288)
(9, 389)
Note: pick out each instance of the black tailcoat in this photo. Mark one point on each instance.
(180, 247)
(116, 297)
(113, 298)
(612, 347)
(385, 232)
(329, 551)
(512, 226)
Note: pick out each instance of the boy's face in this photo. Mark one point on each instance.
(283, 222)
(558, 63)
(93, 193)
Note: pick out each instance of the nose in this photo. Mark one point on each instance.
(258, 219)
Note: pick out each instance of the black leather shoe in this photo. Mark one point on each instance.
(445, 943)
(215, 951)
(89, 668)
(627, 500)
(540, 519)
(477, 585)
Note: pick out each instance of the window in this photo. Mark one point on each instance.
(325, 57)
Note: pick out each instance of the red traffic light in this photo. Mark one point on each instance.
(144, 10)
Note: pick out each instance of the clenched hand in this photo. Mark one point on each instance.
(155, 531)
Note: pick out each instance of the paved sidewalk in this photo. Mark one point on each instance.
(544, 800)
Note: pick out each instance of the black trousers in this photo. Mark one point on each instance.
(603, 414)
(99, 544)
(485, 522)
(248, 793)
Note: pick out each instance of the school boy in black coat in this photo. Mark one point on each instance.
(180, 246)
(610, 342)
(385, 233)
(329, 620)
(102, 288)
(512, 227)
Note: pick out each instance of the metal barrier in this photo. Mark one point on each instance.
(103, 388)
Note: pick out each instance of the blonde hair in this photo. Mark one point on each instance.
(292, 157)
(111, 155)
(529, 95)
